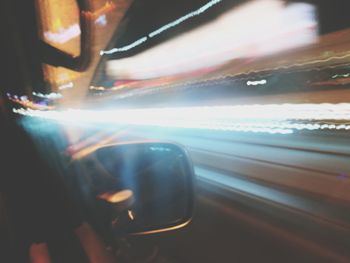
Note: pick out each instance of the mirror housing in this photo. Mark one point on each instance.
(136, 188)
(58, 58)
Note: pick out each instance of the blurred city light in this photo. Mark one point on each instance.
(255, 29)
(50, 96)
(341, 76)
(68, 85)
(25, 102)
(256, 82)
(64, 34)
(274, 118)
(163, 28)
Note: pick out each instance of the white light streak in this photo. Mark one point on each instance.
(163, 28)
(50, 96)
(125, 48)
(273, 118)
(68, 85)
(341, 76)
(64, 34)
(256, 82)
(185, 17)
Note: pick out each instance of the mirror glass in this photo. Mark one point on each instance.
(140, 187)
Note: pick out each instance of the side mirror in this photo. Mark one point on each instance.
(53, 45)
(138, 188)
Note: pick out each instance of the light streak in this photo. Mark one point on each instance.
(100, 88)
(50, 96)
(160, 149)
(125, 48)
(316, 61)
(64, 34)
(185, 17)
(131, 215)
(68, 85)
(256, 82)
(341, 76)
(163, 28)
(25, 102)
(271, 118)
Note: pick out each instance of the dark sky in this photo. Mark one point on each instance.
(333, 15)
(144, 16)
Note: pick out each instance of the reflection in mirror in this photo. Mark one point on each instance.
(138, 188)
